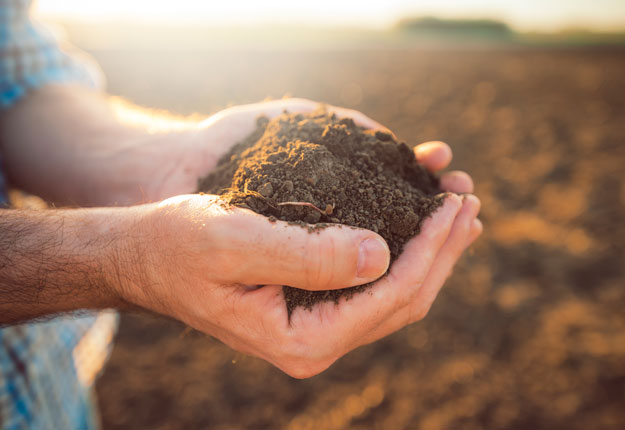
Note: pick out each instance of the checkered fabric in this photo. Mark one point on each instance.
(47, 369)
(30, 55)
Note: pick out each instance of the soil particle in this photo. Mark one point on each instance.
(266, 190)
(314, 169)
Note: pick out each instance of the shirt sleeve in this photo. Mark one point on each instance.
(31, 56)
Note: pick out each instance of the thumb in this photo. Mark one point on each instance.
(281, 254)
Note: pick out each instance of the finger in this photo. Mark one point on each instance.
(304, 106)
(433, 155)
(234, 124)
(278, 253)
(457, 182)
(419, 253)
(338, 329)
(359, 118)
(273, 108)
(363, 312)
(413, 264)
(476, 231)
(447, 257)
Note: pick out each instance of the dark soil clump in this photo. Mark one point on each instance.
(314, 169)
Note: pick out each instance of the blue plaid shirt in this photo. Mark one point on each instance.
(47, 369)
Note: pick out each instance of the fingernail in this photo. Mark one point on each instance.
(373, 258)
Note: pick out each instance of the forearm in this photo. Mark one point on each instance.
(74, 146)
(59, 260)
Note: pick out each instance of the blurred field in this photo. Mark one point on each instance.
(529, 333)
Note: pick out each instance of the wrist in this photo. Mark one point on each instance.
(142, 258)
(126, 259)
(97, 243)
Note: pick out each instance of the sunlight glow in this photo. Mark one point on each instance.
(524, 15)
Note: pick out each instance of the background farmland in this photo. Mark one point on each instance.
(530, 330)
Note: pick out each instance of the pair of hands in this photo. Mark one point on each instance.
(202, 263)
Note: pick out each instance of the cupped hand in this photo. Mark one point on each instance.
(222, 270)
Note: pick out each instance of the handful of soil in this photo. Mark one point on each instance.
(314, 169)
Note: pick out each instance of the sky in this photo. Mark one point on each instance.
(524, 15)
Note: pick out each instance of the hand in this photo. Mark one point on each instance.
(206, 263)
(192, 154)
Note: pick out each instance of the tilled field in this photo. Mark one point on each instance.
(529, 332)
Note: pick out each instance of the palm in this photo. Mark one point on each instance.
(328, 331)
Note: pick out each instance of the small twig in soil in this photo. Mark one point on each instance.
(328, 210)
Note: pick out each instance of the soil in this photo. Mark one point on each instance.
(315, 169)
(528, 332)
